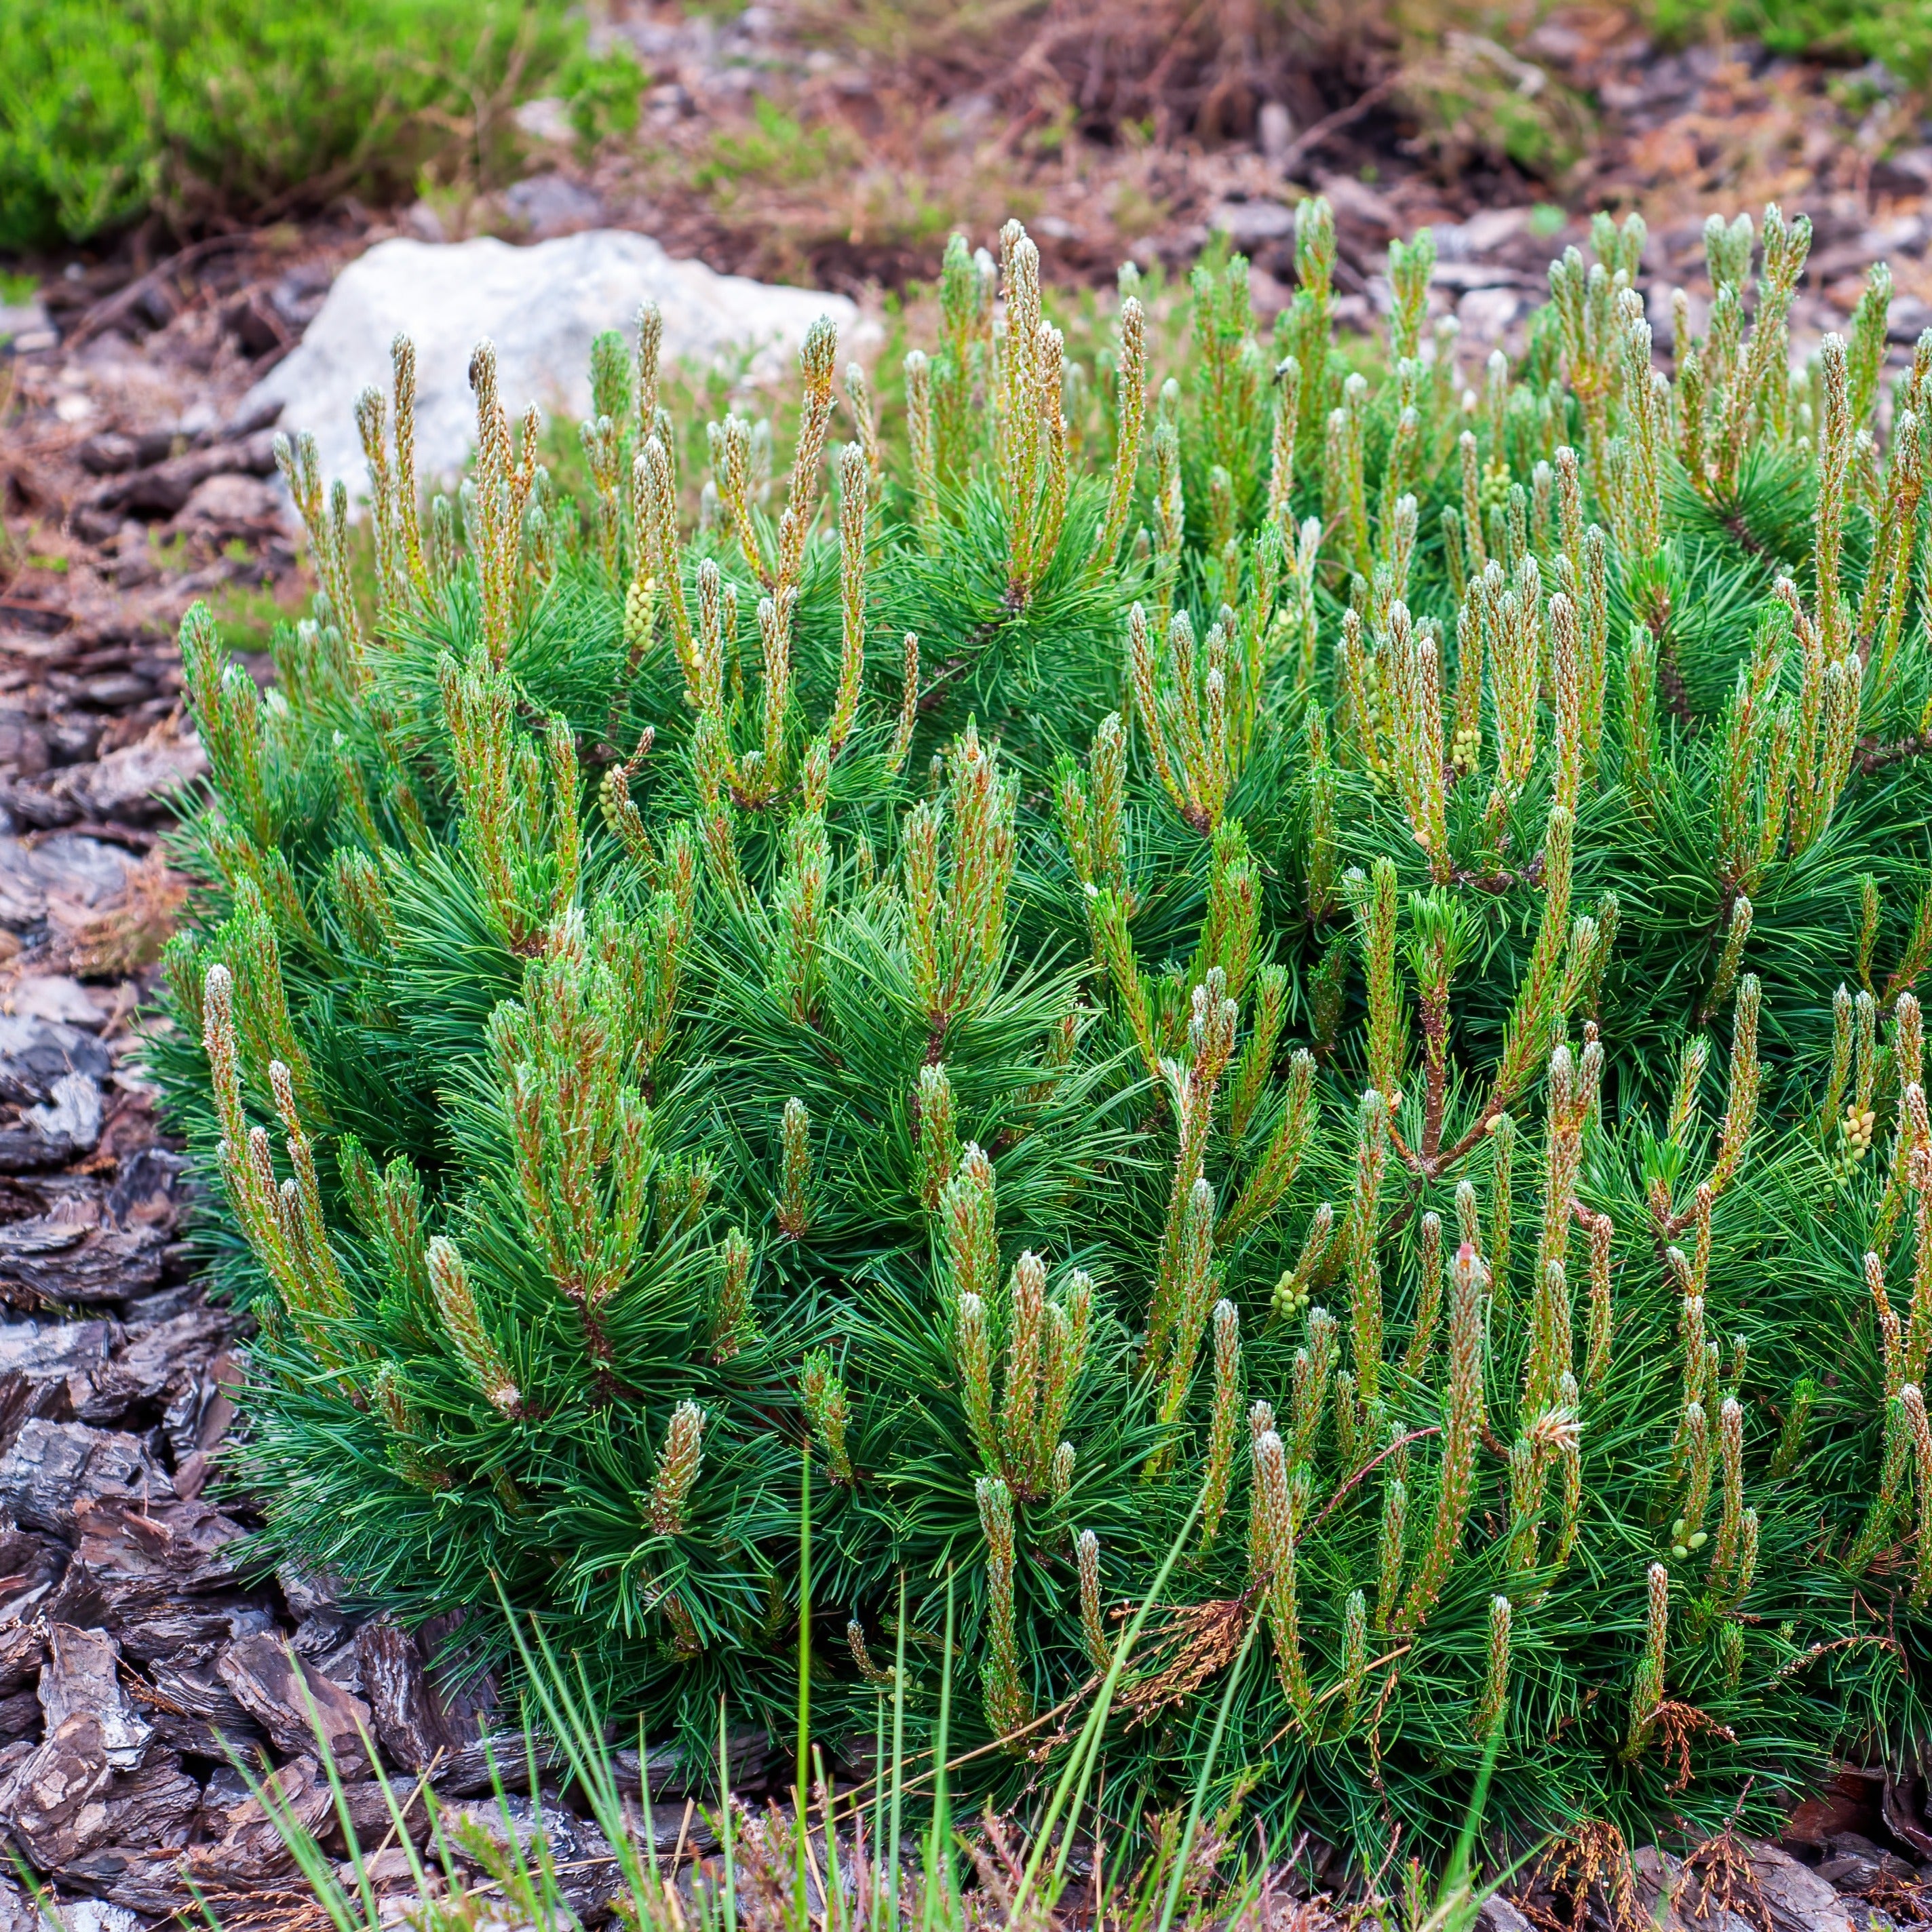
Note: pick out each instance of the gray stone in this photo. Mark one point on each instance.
(249, 1848)
(586, 1869)
(1274, 131)
(546, 118)
(35, 1053)
(1798, 1898)
(135, 782)
(59, 1258)
(1482, 234)
(229, 501)
(53, 1465)
(73, 1112)
(80, 1674)
(1853, 1863)
(291, 1701)
(17, 1909)
(541, 306)
(547, 205)
(88, 1914)
(1486, 314)
(75, 871)
(1250, 223)
(54, 996)
(420, 221)
(54, 1350)
(50, 1802)
(1499, 1914)
(20, 321)
(162, 1359)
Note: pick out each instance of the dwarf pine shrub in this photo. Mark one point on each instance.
(1319, 962)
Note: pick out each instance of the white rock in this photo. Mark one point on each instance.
(541, 306)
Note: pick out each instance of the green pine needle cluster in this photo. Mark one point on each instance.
(1323, 956)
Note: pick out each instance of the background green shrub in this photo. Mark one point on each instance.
(1898, 32)
(243, 108)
